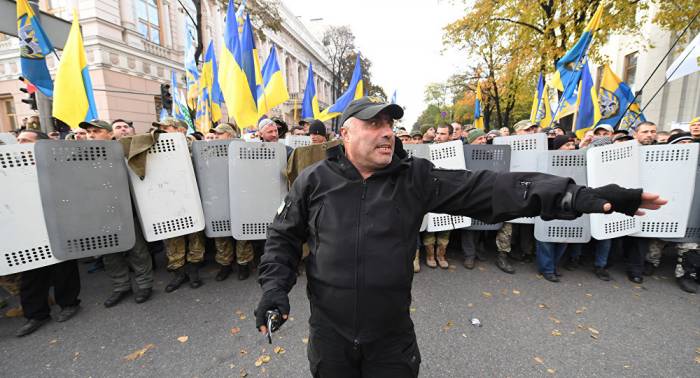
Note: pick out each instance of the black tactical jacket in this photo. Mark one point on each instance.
(362, 233)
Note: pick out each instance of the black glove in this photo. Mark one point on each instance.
(589, 200)
(271, 300)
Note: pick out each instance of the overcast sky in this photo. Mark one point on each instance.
(403, 39)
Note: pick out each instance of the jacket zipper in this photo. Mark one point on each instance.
(355, 342)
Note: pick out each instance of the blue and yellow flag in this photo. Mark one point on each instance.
(588, 106)
(240, 99)
(203, 120)
(273, 92)
(210, 79)
(309, 105)
(180, 110)
(73, 100)
(568, 73)
(34, 46)
(353, 92)
(250, 58)
(541, 112)
(615, 97)
(191, 71)
(478, 117)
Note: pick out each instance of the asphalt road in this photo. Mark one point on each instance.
(530, 327)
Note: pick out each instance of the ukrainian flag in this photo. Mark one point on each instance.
(34, 46)
(568, 73)
(274, 89)
(235, 87)
(541, 112)
(588, 106)
(353, 92)
(250, 59)
(191, 71)
(73, 100)
(309, 105)
(210, 78)
(615, 97)
(478, 117)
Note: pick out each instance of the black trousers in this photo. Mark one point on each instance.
(394, 355)
(636, 250)
(34, 289)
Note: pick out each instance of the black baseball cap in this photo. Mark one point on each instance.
(368, 107)
(317, 127)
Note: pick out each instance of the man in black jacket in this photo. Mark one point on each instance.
(360, 210)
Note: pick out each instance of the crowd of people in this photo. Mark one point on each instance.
(185, 254)
(516, 241)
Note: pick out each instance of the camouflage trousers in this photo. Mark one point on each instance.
(503, 238)
(683, 266)
(180, 250)
(656, 248)
(522, 235)
(442, 238)
(224, 251)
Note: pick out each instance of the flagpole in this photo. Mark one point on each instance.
(636, 94)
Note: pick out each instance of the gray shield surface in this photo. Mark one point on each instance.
(24, 240)
(668, 170)
(486, 157)
(296, 141)
(613, 164)
(692, 229)
(567, 164)
(7, 138)
(211, 168)
(85, 195)
(417, 150)
(257, 185)
(167, 199)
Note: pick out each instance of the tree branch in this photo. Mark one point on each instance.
(533, 27)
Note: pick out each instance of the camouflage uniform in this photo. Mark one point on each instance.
(178, 253)
(224, 251)
(503, 238)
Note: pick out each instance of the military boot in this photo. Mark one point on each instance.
(223, 273)
(179, 278)
(430, 256)
(416, 262)
(441, 253)
(503, 264)
(243, 271)
(686, 284)
(193, 273)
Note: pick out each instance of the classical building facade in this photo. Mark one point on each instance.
(633, 60)
(132, 46)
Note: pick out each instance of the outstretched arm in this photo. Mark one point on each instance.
(496, 197)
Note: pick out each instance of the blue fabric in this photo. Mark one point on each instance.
(548, 256)
(602, 251)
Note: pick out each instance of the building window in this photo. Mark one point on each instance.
(631, 68)
(148, 19)
(58, 8)
(8, 113)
